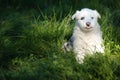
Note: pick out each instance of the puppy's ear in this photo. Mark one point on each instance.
(76, 15)
(97, 14)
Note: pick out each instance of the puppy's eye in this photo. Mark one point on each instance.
(82, 18)
(92, 17)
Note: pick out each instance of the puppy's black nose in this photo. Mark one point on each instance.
(88, 23)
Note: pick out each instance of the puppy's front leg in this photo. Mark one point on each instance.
(80, 57)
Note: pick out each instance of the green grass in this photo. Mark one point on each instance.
(31, 48)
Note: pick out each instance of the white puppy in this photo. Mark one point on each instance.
(87, 36)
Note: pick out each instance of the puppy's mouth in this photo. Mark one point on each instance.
(88, 27)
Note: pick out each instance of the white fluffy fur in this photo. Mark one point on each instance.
(87, 36)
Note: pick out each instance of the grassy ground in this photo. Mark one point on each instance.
(31, 48)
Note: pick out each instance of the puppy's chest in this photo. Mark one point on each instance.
(92, 40)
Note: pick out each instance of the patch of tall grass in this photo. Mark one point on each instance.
(31, 49)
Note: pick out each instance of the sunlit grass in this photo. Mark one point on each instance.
(31, 49)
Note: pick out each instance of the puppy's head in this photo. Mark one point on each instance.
(86, 19)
